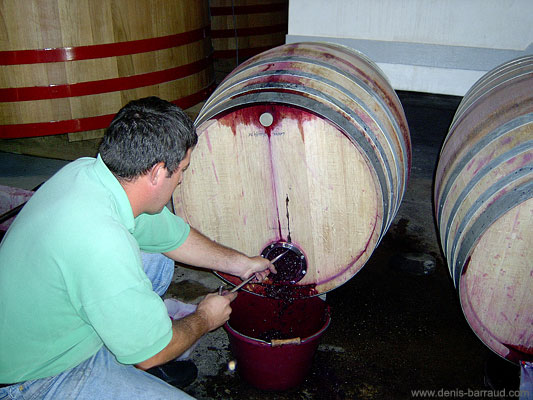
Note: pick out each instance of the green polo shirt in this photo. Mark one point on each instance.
(71, 277)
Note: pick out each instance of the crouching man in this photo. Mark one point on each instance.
(81, 314)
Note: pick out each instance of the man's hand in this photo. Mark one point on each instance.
(215, 309)
(212, 312)
(259, 266)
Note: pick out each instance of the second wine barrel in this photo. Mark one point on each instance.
(304, 146)
(484, 207)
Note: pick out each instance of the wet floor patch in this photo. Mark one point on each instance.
(391, 333)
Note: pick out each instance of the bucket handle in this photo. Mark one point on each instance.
(281, 342)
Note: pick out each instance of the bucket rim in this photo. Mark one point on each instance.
(249, 339)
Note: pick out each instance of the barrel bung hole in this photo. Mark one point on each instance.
(266, 119)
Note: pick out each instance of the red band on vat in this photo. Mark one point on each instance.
(101, 86)
(18, 131)
(17, 57)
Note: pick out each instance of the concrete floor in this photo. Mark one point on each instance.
(391, 331)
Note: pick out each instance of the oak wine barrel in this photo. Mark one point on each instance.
(303, 147)
(484, 207)
(69, 66)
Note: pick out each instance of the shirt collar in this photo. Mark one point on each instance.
(117, 191)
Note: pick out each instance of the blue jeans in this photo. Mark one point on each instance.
(102, 376)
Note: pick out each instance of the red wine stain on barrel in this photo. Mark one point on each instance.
(249, 117)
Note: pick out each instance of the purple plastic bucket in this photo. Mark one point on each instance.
(274, 341)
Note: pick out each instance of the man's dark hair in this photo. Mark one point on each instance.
(145, 132)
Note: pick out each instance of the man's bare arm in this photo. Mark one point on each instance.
(200, 251)
(212, 312)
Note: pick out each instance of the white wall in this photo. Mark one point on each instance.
(434, 46)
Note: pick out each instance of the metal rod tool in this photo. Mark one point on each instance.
(242, 284)
(253, 275)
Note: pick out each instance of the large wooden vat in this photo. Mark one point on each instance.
(243, 28)
(69, 66)
(484, 207)
(305, 144)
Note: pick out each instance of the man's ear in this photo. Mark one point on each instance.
(156, 173)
